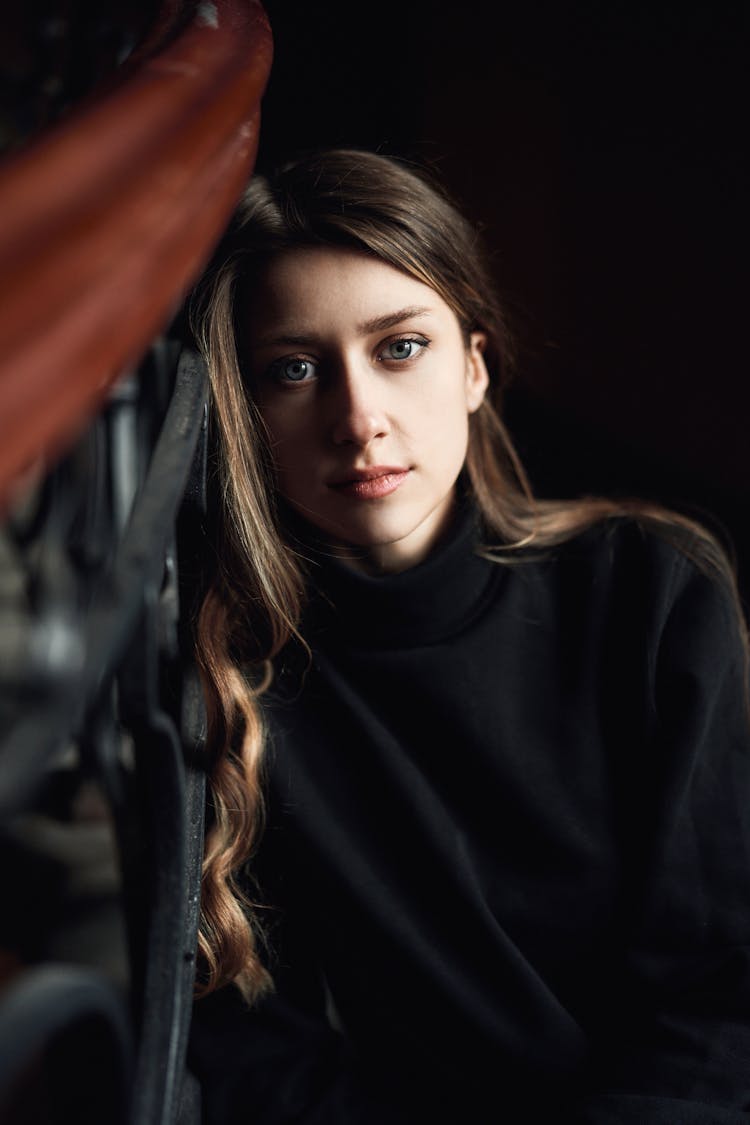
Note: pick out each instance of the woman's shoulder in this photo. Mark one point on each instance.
(653, 536)
(632, 536)
(662, 558)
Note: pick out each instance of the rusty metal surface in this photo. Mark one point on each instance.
(109, 217)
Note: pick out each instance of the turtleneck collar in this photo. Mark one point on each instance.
(421, 605)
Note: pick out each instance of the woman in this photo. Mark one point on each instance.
(480, 762)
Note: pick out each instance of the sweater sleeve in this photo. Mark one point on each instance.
(679, 1053)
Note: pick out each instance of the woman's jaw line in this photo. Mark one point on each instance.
(387, 555)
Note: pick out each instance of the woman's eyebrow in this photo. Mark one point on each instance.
(390, 320)
(376, 324)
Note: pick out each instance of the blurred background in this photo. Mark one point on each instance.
(601, 147)
(604, 150)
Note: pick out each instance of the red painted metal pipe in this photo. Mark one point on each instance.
(109, 217)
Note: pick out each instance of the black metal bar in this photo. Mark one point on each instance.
(171, 807)
(169, 967)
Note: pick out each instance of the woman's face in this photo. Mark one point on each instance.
(365, 383)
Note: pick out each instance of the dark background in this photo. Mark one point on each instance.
(603, 148)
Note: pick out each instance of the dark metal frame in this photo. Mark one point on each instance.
(132, 710)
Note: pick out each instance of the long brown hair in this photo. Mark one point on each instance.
(388, 208)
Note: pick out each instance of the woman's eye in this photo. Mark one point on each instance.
(404, 348)
(293, 370)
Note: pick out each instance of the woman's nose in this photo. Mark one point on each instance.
(358, 407)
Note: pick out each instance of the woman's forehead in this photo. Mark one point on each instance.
(298, 289)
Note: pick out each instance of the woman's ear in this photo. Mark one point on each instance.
(477, 378)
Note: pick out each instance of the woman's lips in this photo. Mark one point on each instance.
(371, 484)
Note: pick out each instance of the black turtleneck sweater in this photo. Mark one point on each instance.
(507, 858)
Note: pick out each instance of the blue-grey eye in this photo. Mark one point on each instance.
(293, 370)
(404, 348)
